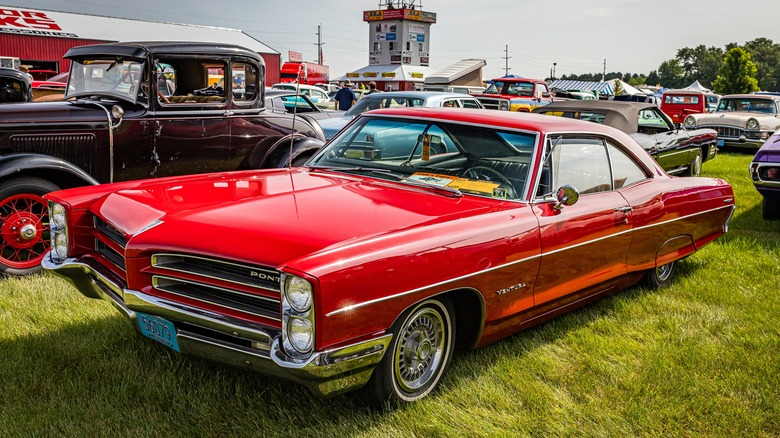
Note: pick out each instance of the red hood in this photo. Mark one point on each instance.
(271, 217)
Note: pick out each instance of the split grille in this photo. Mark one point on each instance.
(105, 229)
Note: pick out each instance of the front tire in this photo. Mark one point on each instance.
(694, 169)
(660, 276)
(417, 357)
(770, 209)
(24, 224)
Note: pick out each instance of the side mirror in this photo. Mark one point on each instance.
(566, 195)
(545, 94)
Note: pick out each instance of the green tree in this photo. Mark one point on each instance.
(700, 63)
(670, 74)
(652, 78)
(737, 74)
(766, 54)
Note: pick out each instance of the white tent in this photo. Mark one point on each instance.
(697, 87)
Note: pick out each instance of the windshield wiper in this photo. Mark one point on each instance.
(398, 176)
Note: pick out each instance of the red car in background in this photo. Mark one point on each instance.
(413, 232)
(679, 104)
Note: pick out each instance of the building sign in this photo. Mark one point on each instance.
(416, 75)
(353, 75)
(395, 59)
(388, 74)
(386, 27)
(399, 14)
(20, 21)
(390, 37)
(369, 74)
(373, 60)
(418, 28)
(380, 37)
(295, 56)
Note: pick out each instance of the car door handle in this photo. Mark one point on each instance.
(624, 209)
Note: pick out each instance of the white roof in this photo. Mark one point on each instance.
(402, 73)
(459, 69)
(95, 27)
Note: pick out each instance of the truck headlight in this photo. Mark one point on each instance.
(752, 124)
(690, 122)
(299, 293)
(58, 226)
(300, 333)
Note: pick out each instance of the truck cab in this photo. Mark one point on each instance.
(515, 94)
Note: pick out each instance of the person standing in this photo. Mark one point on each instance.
(345, 97)
(372, 88)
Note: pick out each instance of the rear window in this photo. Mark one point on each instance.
(681, 100)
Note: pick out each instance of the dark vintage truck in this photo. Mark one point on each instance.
(134, 111)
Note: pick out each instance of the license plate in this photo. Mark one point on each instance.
(721, 142)
(159, 329)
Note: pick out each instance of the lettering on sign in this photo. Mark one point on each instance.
(23, 20)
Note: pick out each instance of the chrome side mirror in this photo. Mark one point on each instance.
(566, 195)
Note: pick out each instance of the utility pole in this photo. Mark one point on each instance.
(506, 60)
(604, 72)
(319, 44)
(553, 70)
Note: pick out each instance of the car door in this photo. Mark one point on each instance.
(672, 146)
(584, 245)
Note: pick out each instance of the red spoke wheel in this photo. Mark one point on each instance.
(24, 225)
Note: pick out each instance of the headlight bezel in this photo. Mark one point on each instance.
(752, 124)
(297, 313)
(59, 242)
(689, 122)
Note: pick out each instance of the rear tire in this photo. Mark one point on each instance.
(660, 276)
(417, 357)
(24, 224)
(694, 169)
(771, 209)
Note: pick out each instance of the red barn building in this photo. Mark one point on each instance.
(40, 38)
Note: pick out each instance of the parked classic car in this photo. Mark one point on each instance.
(414, 231)
(742, 120)
(287, 101)
(515, 94)
(394, 99)
(316, 94)
(14, 86)
(133, 111)
(765, 171)
(677, 150)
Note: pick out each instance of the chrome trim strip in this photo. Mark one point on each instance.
(158, 266)
(409, 292)
(156, 285)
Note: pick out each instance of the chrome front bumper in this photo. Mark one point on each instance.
(325, 372)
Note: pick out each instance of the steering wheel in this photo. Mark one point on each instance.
(485, 173)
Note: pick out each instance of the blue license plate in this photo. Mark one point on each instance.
(159, 329)
(721, 142)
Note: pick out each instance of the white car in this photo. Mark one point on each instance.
(742, 120)
(315, 94)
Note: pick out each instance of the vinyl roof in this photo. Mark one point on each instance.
(95, 27)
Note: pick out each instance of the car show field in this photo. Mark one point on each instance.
(695, 358)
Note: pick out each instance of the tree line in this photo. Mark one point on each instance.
(736, 68)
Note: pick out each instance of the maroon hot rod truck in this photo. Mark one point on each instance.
(133, 111)
(414, 231)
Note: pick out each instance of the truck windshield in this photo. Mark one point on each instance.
(113, 77)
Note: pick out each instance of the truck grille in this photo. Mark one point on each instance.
(488, 103)
(245, 288)
(74, 148)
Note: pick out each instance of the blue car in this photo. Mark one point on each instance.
(394, 99)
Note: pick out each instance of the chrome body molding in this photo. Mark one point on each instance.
(256, 347)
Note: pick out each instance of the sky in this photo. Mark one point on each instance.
(578, 36)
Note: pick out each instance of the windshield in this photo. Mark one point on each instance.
(113, 77)
(766, 106)
(372, 102)
(514, 88)
(474, 160)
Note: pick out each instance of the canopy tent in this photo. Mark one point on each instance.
(567, 85)
(698, 87)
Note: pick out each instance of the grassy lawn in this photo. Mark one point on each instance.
(699, 358)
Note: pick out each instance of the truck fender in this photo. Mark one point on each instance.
(59, 172)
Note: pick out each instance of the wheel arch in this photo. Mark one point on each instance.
(57, 171)
(281, 153)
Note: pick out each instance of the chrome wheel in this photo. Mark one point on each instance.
(664, 272)
(420, 349)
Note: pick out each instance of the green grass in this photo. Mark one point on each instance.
(699, 358)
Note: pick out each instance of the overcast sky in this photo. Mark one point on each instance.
(633, 36)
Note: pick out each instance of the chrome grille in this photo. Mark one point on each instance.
(75, 148)
(726, 131)
(107, 252)
(113, 234)
(488, 103)
(110, 232)
(232, 299)
(251, 289)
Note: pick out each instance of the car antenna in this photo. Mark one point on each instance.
(295, 113)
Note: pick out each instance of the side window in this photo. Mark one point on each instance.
(581, 163)
(244, 82)
(625, 171)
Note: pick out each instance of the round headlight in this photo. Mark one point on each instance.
(300, 334)
(299, 293)
(117, 112)
(752, 124)
(57, 216)
(689, 122)
(61, 245)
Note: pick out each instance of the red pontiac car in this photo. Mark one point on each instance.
(413, 232)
